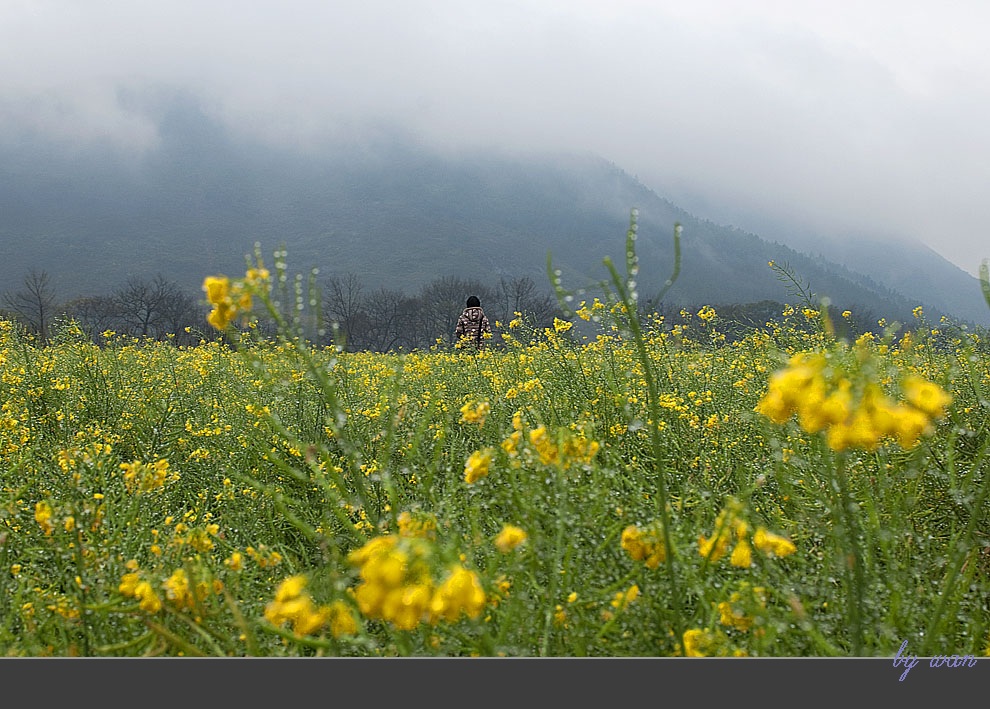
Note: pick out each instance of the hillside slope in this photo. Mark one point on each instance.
(395, 215)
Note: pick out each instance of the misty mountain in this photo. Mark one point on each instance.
(400, 215)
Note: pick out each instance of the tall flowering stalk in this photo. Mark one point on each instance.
(852, 414)
(236, 299)
(625, 289)
(850, 409)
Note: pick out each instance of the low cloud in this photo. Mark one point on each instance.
(865, 119)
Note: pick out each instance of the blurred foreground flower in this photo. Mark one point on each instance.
(232, 298)
(509, 538)
(646, 545)
(852, 409)
(292, 604)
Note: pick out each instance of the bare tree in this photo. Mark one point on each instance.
(34, 304)
(344, 309)
(94, 315)
(180, 310)
(153, 309)
(385, 313)
(521, 295)
(410, 334)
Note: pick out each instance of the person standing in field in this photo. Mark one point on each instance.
(472, 325)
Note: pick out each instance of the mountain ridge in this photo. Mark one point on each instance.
(398, 215)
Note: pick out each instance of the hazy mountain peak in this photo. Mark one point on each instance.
(399, 214)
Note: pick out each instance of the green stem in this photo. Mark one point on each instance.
(853, 561)
(959, 554)
(557, 561)
(653, 405)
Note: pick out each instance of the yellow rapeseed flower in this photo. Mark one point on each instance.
(909, 425)
(417, 524)
(293, 604)
(131, 584)
(733, 612)
(742, 555)
(646, 545)
(728, 524)
(43, 515)
(235, 562)
(824, 400)
(228, 298)
(149, 600)
(341, 619)
(476, 466)
(511, 444)
(177, 589)
(460, 593)
(699, 642)
(925, 396)
(770, 543)
(707, 313)
(509, 538)
(290, 588)
(473, 412)
(545, 447)
(622, 599)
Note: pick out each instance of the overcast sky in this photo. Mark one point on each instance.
(843, 117)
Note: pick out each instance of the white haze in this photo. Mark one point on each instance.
(839, 118)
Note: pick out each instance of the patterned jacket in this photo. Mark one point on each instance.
(472, 324)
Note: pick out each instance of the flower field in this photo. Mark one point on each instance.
(610, 486)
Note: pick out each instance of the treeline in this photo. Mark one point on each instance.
(338, 309)
(341, 310)
(157, 309)
(384, 319)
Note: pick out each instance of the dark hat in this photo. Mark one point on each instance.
(473, 302)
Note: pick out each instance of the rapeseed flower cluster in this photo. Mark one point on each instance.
(232, 298)
(706, 314)
(43, 516)
(293, 604)
(263, 556)
(645, 544)
(509, 538)
(544, 446)
(621, 600)
(473, 412)
(397, 584)
(417, 524)
(142, 477)
(586, 313)
(732, 530)
(565, 450)
(735, 612)
(181, 591)
(477, 465)
(511, 444)
(186, 593)
(704, 642)
(228, 300)
(134, 585)
(853, 416)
